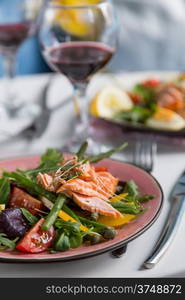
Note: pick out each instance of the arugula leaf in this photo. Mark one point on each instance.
(138, 114)
(51, 158)
(62, 242)
(68, 226)
(69, 235)
(4, 190)
(6, 243)
(49, 161)
(75, 240)
(147, 93)
(32, 220)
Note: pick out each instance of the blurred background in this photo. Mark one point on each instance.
(151, 38)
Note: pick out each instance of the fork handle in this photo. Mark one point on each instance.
(168, 233)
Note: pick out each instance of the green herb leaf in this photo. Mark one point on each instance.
(6, 243)
(68, 226)
(62, 242)
(32, 220)
(49, 161)
(131, 188)
(138, 114)
(51, 158)
(4, 190)
(75, 240)
(72, 231)
(147, 93)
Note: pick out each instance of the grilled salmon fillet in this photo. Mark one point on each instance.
(94, 204)
(91, 190)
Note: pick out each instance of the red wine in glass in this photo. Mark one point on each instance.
(12, 35)
(79, 60)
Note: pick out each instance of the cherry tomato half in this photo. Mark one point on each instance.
(152, 83)
(100, 169)
(36, 240)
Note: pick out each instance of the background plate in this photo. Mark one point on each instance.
(127, 81)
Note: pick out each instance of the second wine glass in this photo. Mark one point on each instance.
(18, 20)
(79, 40)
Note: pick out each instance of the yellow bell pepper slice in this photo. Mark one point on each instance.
(2, 207)
(116, 222)
(66, 217)
(118, 197)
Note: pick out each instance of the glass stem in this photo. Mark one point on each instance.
(81, 110)
(9, 64)
(9, 60)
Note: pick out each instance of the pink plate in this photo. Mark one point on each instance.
(124, 171)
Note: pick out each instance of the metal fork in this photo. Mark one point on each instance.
(144, 154)
(143, 157)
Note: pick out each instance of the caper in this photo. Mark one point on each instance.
(120, 187)
(108, 233)
(94, 238)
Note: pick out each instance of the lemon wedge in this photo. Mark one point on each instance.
(109, 101)
(73, 20)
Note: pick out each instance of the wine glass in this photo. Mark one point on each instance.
(77, 41)
(17, 23)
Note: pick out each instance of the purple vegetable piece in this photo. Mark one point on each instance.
(12, 223)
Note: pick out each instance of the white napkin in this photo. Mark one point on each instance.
(28, 91)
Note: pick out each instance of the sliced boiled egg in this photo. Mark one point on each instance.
(166, 119)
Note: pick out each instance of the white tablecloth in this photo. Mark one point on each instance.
(169, 165)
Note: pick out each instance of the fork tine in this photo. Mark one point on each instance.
(136, 155)
(145, 151)
(153, 151)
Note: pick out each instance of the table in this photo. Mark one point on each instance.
(169, 164)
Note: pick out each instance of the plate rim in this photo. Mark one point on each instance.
(95, 252)
(142, 129)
